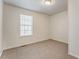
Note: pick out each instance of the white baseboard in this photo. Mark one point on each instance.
(24, 44)
(74, 55)
(60, 41)
(1, 53)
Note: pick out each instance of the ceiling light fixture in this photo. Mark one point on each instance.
(48, 2)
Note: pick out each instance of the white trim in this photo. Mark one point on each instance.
(72, 54)
(1, 53)
(24, 44)
(60, 41)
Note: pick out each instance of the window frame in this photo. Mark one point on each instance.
(25, 35)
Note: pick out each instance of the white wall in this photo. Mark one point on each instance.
(59, 27)
(45, 27)
(11, 27)
(1, 7)
(74, 27)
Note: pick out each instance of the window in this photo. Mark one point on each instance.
(26, 25)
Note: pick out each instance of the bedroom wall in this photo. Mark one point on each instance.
(1, 15)
(45, 27)
(11, 27)
(73, 27)
(59, 27)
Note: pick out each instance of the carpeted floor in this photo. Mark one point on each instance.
(43, 50)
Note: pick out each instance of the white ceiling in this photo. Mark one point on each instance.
(36, 5)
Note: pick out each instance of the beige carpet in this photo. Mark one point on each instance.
(43, 50)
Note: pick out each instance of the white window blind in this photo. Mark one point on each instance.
(26, 25)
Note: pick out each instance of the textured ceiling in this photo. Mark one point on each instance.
(36, 5)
